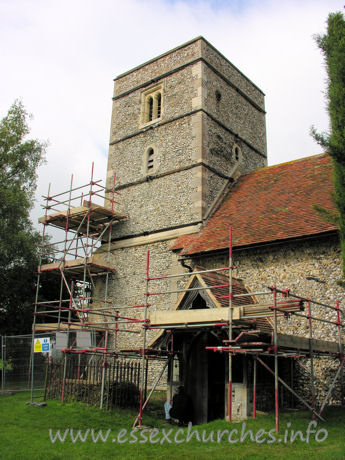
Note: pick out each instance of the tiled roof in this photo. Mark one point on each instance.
(218, 279)
(238, 287)
(271, 204)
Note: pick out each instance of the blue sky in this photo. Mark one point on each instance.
(61, 57)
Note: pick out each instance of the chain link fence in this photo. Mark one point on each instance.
(71, 377)
(16, 364)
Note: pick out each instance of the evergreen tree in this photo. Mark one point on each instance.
(332, 45)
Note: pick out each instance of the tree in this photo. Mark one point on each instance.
(332, 45)
(19, 160)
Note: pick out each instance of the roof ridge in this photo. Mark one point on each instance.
(274, 205)
(325, 154)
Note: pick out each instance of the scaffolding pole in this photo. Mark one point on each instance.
(340, 367)
(254, 387)
(88, 224)
(275, 338)
(230, 328)
(290, 389)
(341, 351)
(311, 354)
(142, 383)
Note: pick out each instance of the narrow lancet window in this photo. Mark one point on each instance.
(150, 160)
(159, 104)
(150, 107)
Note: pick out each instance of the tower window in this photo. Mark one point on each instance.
(150, 160)
(150, 108)
(150, 163)
(159, 104)
(151, 105)
(237, 153)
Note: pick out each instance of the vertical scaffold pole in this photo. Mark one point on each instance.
(105, 303)
(276, 359)
(291, 380)
(70, 291)
(254, 387)
(104, 364)
(340, 367)
(112, 200)
(88, 245)
(171, 368)
(3, 366)
(32, 355)
(341, 353)
(143, 351)
(230, 326)
(311, 357)
(116, 329)
(68, 334)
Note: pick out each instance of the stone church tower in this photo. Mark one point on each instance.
(183, 126)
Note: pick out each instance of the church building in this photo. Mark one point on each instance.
(188, 146)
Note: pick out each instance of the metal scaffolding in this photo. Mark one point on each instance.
(78, 259)
(244, 343)
(83, 255)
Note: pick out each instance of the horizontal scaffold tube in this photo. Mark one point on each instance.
(177, 275)
(290, 294)
(188, 290)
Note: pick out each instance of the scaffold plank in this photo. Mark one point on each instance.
(98, 217)
(302, 343)
(207, 315)
(76, 266)
(54, 327)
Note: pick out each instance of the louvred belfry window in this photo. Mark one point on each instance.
(150, 160)
(151, 109)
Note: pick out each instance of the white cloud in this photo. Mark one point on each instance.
(61, 57)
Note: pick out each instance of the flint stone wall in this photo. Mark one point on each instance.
(288, 266)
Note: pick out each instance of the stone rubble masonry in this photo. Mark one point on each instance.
(193, 158)
(208, 108)
(128, 285)
(193, 139)
(287, 266)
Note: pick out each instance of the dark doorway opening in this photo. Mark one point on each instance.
(204, 376)
(216, 381)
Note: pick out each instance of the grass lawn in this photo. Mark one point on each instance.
(24, 434)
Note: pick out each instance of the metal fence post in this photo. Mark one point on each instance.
(2, 365)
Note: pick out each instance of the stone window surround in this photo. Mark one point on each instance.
(150, 155)
(152, 93)
(237, 153)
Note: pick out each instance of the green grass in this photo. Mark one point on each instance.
(24, 434)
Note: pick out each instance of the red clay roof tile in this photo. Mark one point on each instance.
(270, 204)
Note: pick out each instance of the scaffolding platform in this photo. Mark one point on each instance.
(198, 318)
(56, 327)
(89, 217)
(75, 267)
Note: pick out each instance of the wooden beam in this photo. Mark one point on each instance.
(302, 343)
(204, 315)
(98, 214)
(95, 264)
(54, 327)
